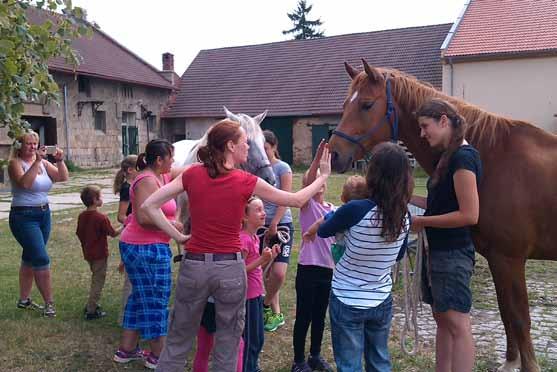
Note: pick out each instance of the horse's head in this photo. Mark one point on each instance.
(258, 163)
(368, 117)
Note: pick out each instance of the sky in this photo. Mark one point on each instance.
(184, 27)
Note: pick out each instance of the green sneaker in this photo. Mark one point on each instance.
(274, 322)
(267, 312)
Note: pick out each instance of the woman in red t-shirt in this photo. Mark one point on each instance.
(213, 264)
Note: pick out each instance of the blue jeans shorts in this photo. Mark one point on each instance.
(446, 279)
(31, 228)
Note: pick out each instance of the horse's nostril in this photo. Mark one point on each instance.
(334, 156)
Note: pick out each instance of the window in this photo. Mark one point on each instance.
(128, 118)
(126, 90)
(100, 120)
(151, 122)
(84, 85)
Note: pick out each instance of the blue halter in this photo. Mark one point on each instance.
(391, 117)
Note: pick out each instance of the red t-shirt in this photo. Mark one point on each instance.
(92, 229)
(216, 207)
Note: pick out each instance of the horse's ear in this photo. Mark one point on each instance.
(372, 73)
(230, 115)
(259, 118)
(351, 70)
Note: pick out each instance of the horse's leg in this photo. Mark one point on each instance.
(512, 296)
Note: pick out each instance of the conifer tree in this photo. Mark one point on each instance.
(304, 28)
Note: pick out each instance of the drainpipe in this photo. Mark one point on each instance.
(66, 127)
(452, 76)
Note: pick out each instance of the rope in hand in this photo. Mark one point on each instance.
(412, 296)
(283, 237)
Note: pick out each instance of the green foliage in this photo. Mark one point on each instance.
(303, 27)
(72, 167)
(25, 50)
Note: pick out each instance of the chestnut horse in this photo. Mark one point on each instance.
(518, 200)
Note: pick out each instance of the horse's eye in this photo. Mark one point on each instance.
(366, 106)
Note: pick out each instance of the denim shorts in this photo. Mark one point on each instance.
(285, 248)
(31, 229)
(450, 272)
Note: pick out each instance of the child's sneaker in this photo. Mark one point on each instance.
(151, 360)
(267, 312)
(28, 304)
(274, 322)
(317, 363)
(300, 367)
(122, 356)
(97, 314)
(49, 310)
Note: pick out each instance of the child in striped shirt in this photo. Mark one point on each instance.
(376, 230)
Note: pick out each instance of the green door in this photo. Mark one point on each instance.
(318, 132)
(282, 128)
(130, 140)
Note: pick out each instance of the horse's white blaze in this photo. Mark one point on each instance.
(354, 96)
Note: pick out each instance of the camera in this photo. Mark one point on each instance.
(50, 150)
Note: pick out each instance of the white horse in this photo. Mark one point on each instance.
(185, 153)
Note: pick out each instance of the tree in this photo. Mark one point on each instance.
(303, 27)
(25, 50)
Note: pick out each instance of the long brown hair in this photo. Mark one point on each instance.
(212, 154)
(155, 148)
(272, 140)
(435, 108)
(129, 161)
(390, 186)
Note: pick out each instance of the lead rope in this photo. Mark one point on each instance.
(283, 236)
(412, 296)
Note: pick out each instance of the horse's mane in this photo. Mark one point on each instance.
(483, 126)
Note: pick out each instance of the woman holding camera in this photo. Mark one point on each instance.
(32, 177)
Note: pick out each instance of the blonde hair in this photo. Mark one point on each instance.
(354, 188)
(129, 161)
(16, 146)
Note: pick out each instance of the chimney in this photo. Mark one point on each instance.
(168, 62)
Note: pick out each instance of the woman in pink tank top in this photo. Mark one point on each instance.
(146, 254)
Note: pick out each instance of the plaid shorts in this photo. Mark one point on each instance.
(149, 270)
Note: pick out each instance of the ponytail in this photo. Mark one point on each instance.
(129, 161)
(157, 148)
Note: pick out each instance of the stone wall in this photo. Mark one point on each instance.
(302, 137)
(84, 145)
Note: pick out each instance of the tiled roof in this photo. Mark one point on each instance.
(301, 77)
(104, 57)
(499, 27)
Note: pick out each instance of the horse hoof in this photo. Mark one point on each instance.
(510, 365)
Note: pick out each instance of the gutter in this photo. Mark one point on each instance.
(447, 42)
(66, 126)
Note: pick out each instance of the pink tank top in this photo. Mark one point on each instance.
(134, 233)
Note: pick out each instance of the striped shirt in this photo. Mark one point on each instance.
(362, 277)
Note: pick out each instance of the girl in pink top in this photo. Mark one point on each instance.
(313, 279)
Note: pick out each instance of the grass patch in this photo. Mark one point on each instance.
(69, 343)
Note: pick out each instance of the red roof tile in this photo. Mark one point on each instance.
(493, 27)
(301, 77)
(104, 57)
